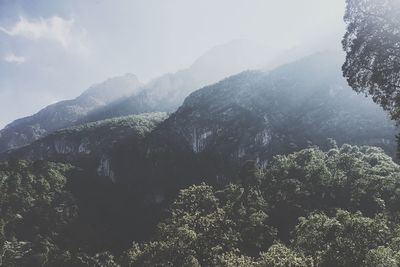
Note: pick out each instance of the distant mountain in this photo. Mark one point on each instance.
(66, 113)
(166, 93)
(255, 116)
(249, 116)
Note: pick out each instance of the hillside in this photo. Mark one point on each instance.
(89, 145)
(66, 113)
(249, 116)
(254, 116)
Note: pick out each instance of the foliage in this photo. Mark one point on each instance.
(382, 256)
(309, 208)
(348, 197)
(372, 43)
(33, 199)
(280, 256)
(351, 178)
(343, 240)
(200, 227)
(138, 124)
(38, 215)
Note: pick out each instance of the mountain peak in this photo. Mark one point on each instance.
(113, 88)
(66, 113)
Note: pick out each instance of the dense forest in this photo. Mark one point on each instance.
(285, 168)
(309, 208)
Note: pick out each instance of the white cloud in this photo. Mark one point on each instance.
(56, 29)
(11, 58)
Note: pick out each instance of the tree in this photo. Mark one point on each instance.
(382, 256)
(372, 44)
(250, 212)
(279, 255)
(195, 230)
(207, 228)
(344, 240)
(36, 212)
(350, 177)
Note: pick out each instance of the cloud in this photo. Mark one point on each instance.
(11, 58)
(55, 29)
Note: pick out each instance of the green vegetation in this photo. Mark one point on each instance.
(309, 208)
(337, 208)
(84, 145)
(141, 124)
(372, 44)
(99, 137)
(39, 217)
(35, 209)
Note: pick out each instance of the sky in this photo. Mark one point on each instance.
(54, 50)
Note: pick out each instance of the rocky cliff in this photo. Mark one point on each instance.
(254, 116)
(90, 145)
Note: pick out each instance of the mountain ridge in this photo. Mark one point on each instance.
(163, 94)
(254, 115)
(65, 113)
(167, 92)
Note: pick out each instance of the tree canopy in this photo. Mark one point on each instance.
(309, 208)
(372, 44)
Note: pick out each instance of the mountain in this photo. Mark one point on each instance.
(66, 113)
(104, 205)
(255, 116)
(166, 93)
(250, 116)
(89, 145)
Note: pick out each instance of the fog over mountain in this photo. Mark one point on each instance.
(126, 95)
(52, 50)
(66, 113)
(167, 92)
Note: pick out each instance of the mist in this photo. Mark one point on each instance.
(54, 50)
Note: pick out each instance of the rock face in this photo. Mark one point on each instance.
(254, 116)
(66, 113)
(90, 146)
(167, 92)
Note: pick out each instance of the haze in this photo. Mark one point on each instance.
(54, 50)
